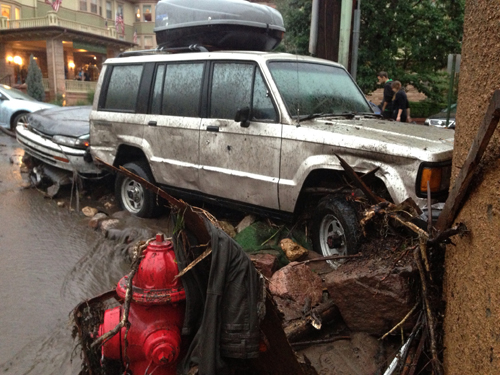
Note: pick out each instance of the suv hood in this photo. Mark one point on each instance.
(380, 136)
(68, 121)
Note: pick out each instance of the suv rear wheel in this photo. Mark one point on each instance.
(132, 196)
(335, 227)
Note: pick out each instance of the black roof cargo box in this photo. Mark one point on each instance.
(218, 25)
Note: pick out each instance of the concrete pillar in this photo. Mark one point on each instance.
(70, 59)
(6, 68)
(55, 67)
(112, 52)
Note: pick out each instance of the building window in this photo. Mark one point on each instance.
(6, 11)
(146, 10)
(100, 8)
(83, 5)
(93, 6)
(137, 12)
(109, 10)
(18, 13)
(148, 42)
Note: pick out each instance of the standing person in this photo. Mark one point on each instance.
(386, 105)
(400, 105)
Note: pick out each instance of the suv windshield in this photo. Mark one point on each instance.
(311, 88)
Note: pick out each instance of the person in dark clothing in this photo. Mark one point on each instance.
(386, 105)
(400, 105)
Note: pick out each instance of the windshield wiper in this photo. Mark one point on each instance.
(316, 115)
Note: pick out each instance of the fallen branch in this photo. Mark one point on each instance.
(401, 322)
(436, 364)
(128, 298)
(202, 256)
(332, 257)
(459, 229)
(316, 342)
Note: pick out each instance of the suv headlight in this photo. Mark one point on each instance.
(438, 175)
(427, 122)
(81, 142)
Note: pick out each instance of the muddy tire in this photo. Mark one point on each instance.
(21, 117)
(132, 196)
(335, 228)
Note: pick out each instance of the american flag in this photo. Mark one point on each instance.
(54, 4)
(135, 36)
(118, 22)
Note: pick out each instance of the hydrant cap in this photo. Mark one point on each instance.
(154, 282)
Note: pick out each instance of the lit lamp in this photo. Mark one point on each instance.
(10, 59)
(71, 65)
(18, 60)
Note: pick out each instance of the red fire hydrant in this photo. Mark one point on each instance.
(156, 314)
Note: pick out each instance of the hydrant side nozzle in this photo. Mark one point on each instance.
(163, 346)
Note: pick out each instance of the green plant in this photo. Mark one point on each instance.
(59, 100)
(34, 81)
(81, 102)
(90, 96)
(425, 108)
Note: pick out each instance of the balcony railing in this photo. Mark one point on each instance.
(80, 86)
(74, 85)
(52, 19)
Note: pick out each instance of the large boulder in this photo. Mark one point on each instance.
(296, 289)
(265, 263)
(371, 297)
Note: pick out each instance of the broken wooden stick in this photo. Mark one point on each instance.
(326, 311)
(318, 342)
(331, 257)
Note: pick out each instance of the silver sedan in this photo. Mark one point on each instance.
(14, 105)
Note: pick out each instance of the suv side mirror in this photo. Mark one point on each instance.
(242, 116)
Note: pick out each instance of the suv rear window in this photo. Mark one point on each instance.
(177, 92)
(123, 88)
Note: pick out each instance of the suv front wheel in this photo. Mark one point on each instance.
(335, 227)
(132, 196)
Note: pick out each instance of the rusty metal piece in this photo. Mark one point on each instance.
(458, 192)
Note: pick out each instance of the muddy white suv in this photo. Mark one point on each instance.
(258, 131)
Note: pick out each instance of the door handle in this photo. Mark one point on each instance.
(152, 123)
(212, 128)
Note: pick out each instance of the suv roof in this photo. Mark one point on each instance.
(232, 55)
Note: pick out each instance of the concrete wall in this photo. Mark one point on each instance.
(472, 276)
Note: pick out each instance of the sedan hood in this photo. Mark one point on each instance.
(68, 121)
(380, 136)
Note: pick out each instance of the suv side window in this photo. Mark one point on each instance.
(263, 108)
(231, 89)
(123, 88)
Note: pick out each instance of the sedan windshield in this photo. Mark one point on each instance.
(15, 94)
(312, 90)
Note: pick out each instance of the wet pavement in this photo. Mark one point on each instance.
(50, 260)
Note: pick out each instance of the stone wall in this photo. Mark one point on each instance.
(472, 278)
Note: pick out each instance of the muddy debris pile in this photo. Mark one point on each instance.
(378, 311)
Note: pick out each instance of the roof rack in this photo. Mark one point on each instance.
(163, 50)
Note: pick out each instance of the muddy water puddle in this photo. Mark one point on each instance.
(50, 260)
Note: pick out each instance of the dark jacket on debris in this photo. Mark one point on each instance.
(222, 299)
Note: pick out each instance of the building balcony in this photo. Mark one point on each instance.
(51, 20)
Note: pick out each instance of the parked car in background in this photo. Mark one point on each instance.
(439, 119)
(59, 137)
(15, 105)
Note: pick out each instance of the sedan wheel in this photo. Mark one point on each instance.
(19, 119)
